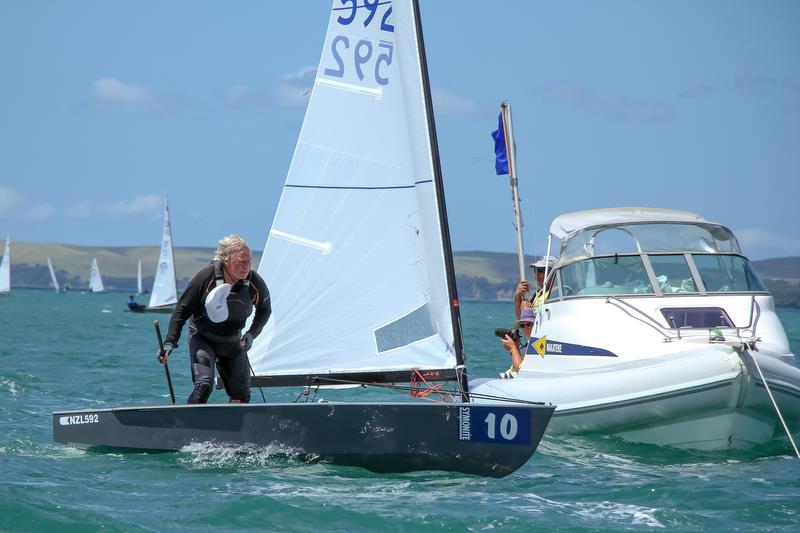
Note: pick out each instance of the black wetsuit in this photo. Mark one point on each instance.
(211, 342)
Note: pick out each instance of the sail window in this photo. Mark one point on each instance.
(696, 317)
(415, 326)
(604, 276)
(727, 273)
(673, 274)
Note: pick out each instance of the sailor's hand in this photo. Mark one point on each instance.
(247, 341)
(508, 343)
(522, 288)
(163, 355)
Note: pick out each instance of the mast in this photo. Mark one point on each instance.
(455, 312)
(511, 150)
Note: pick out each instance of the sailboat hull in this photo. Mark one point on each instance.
(385, 437)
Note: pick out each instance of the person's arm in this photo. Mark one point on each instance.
(189, 302)
(519, 296)
(263, 306)
(511, 347)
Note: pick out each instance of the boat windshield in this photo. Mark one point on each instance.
(649, 237)
(644, 274)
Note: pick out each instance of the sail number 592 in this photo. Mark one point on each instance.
(507, 426)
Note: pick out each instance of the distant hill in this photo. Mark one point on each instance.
(786, 268)
(479, 275)
(118, 265)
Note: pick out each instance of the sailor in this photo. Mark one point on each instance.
(133, 305)
(544, 262)
(525, 323)
(217, 303)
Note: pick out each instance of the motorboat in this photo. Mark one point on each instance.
(655, 328)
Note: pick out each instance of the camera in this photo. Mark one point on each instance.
(513, 333)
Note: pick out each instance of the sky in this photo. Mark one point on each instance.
(105, 106)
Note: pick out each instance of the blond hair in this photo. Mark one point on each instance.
(230, 245)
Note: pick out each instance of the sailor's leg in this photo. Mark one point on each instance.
(201, 358)
(235, 374)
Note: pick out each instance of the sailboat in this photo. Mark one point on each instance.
(5, 269)
(53, 280)
(657, 329)
(164, 295)
(95, 280)
(360, 248)
(139, 278)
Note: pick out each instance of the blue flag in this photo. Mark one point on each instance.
(501, 156)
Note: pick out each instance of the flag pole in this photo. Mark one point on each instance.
(511, 150)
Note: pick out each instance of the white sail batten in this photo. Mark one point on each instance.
(165, 290)
(53, 279)
(374, 298)
(95, 279)
(5, 268)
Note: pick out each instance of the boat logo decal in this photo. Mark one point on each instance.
(497, 425)
(564, 348)
(73, 420)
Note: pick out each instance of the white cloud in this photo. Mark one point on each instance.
(629, 109)
(115, 94)
(447, 103)
(15, 205)
(10, 200)
(40, 213)
(141, 204)
(762, 243)
(643, 110)
(295, 87)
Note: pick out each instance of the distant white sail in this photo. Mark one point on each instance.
(165, 290)
(53, 279)
(5, 269)
(95, 281)
(139, 279)
(355, 258)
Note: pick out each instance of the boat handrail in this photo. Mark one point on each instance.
(650, 320)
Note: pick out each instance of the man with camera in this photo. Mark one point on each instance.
(510, 339)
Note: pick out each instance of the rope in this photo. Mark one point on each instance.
(774, 403)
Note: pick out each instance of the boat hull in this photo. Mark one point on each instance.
(706, 399)
(387, 437)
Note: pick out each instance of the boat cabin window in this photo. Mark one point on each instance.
(696, 317)
(673, 274)
(605, 275)
(727, 273)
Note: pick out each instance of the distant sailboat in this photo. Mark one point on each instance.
(53, 280)
(96, 281)
(5, 270)
(164, 295)
(139, 279)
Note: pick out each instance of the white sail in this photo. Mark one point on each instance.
(5, 268)
(53, 279)
(165, 290)
(139, 278)
(95, 280)
(355, 259)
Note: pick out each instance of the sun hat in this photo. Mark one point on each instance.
(216, 303)
(528, 316)
(546, 261)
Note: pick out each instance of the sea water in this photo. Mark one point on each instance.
(67, 351)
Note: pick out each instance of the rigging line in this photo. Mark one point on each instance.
(774, 403)
(452, 392)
